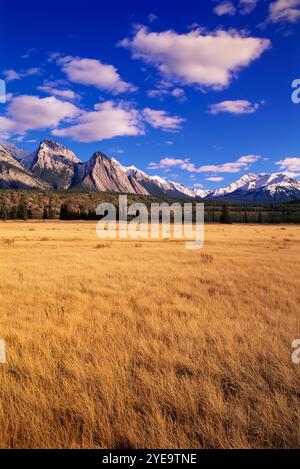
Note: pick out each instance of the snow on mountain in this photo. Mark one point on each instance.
(13, 175)
(53, 165)
(181, 188)
(158, 186)
(243, 181)
(260, 188)
(202, 193)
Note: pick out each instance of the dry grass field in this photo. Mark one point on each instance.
(146, 344)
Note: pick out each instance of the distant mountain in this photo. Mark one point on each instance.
(259, 188)
(13, 175)
(17, 153)
(202, 193)
(54, 166)
(156, 185)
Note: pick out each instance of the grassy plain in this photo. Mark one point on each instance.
(146, 344)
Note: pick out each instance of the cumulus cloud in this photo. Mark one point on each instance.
(185, 164)
(215, 178)
(157, 93)
(95, 73)
(225, 8)
(161, 119)
(231, 167)
(207, 59)
(65, 93)
(284, 11)
(108, 120)
(244, 7)
(179, 94)
(238, 106)
(290, 166)
(161, 93)
(247, 6)
(31, 113)
(12, 75)
(168, 163)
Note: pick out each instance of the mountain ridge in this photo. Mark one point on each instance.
(54, 166)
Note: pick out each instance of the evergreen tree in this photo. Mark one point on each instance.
(13, 213)
(225, 216)
(51, 212)
(22, 210)
(45, 214)
(64, 213)
(3, 212)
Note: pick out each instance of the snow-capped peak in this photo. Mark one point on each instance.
(244, 180)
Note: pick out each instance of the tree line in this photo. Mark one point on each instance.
(219, 214)
(16, 212)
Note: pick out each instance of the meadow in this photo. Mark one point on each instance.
(144, 344)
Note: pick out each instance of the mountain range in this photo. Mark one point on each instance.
(53, 166)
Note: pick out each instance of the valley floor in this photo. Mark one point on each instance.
(146, 344)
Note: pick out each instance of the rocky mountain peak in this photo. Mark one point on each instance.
(54, 165)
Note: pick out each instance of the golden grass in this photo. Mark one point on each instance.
(113, 346)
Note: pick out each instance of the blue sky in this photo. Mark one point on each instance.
(194, 91)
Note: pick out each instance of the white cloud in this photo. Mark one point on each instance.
(157, 93)
(160, 119)
(232, 167)
(12, 75)
(116, 150)
(108, 120)
(161, 93)
(215, 178)
(225, 8)
(290, 166)
(244, 7)
(238, 106)
(208, 59)
(168, 163)
(284, 11)
(152, 18)
(28, 53)
(61, 93)
(247, 6)
(95, 73)
(31, 113)
(248, 159)
(179, 94)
